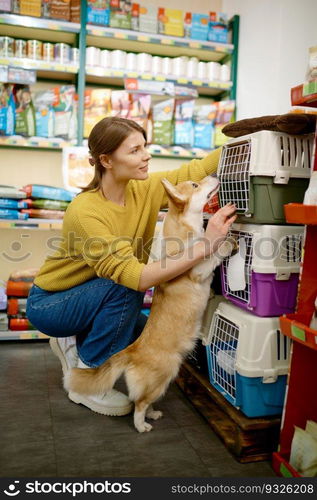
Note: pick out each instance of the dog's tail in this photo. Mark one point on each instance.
(96, 380)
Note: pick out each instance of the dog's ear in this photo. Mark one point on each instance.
(173, 194)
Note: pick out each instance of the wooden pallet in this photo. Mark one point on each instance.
(249, 439)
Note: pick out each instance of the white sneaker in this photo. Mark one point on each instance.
(65, 349)
(113, 403)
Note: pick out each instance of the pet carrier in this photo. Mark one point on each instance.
(261, 172)
(248, 360)
(263, 276)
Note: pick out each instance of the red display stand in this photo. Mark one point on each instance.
(301, 402)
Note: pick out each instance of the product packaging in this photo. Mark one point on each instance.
(6, 213)
(196, 26)
(30, 8)
(148, 19)
(140, 105)
(170, 22)
(218, 27)
(60, 9)
(120, 103)
(24, 111)
(44, 113)
(11, 192)
(184, 130)
(16, 307)
(7, 109)
(63, 106)
(75, 11)
(98, 12)
(47, 192)
(204, 118)
(5, 5)
(312, 64)
(97, 106)
(163, 122)
(41, 203)
(6, 46)
(20, 324)
(225, 112)
(120, 14)
(39, 213)
(135, 13)
(12, 204)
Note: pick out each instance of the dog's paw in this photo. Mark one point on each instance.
(145, 427)
(154, 414)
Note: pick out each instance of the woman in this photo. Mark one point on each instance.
(88, 295)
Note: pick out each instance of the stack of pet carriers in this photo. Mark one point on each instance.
(46, 202)
(18, 287)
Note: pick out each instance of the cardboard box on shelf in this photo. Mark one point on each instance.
(120, 14)
(60, 9)
(98, 12)
(170, 22)
(148, 19)
(30, 7)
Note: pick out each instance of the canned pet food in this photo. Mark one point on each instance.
(74, 55)
(19, 48)
(62, 53)
(34, 49)
(6, 46)
(48, 51)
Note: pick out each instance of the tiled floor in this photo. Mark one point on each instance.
(44, 434)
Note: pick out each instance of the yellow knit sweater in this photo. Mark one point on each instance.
(101, 238)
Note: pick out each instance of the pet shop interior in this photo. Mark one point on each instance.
(238, 75)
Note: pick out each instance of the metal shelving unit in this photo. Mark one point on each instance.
(83, 35)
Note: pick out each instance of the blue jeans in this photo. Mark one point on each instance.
(104, 316)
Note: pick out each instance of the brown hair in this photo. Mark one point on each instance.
(106, 136)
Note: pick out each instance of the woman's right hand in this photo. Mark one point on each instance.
(218, 227)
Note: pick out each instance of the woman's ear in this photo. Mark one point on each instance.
(105, 161)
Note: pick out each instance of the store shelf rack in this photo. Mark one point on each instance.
(46, 224)
(83, 35)
(156, 44)
(22, 335)
(18, 141)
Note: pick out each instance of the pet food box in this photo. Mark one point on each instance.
(170, 22)
(248, 360)
(120, 14)
(98, 12)
(148, 18)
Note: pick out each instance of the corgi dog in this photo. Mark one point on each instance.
(154, 359)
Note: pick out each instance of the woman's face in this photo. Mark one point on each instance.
(131, 159)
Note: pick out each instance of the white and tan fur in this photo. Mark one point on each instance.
(153, 360)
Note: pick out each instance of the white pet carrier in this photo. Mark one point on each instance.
(261, 172)
(248, 360)
(262, 276)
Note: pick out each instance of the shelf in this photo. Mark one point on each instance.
(299, 213)
(22, 335)
(249, 439)
(115, 77)
(296, 327)
(46, 224)
(282, 467)
(176, 152)
(43, 68)
(46, 29)
(34, 142)
(156, 44)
